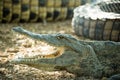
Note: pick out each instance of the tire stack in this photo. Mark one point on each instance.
(37, 10)
(100, 21)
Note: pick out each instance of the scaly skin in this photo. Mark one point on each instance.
(97, 58)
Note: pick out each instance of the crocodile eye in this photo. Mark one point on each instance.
(60, 37)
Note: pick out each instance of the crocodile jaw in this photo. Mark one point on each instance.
(57, 60)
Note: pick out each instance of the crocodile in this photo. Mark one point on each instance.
(38, 10)
(88, 58)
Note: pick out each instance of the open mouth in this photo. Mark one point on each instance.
(42, 52)
(30, 49)
(34, 50)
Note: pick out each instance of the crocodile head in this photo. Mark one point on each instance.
(69, 57)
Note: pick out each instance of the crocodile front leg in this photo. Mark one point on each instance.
(90, 63)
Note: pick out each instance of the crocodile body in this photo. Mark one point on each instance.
(38, 10)
(98, 21)
(96, 58)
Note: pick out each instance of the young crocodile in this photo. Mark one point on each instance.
(97, 58)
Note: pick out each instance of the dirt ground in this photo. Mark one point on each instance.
(11, 43)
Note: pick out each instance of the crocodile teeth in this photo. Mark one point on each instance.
(19, 58)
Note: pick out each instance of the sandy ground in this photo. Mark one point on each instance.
(12, 43)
